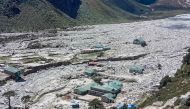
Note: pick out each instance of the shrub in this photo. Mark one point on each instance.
(144, 44)
(177, 102)
(97, 79)
(25, 99)
(159, 66)
(54, 31)
(113, 108)
(164, 81)
(187, 102)
(186, 59)
(2, 83)
(101, 54)
(9, 94)
(188, 50)
(96, 104)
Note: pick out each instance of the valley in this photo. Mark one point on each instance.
(54, 60)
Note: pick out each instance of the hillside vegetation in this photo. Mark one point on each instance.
(171, 87)
(33, 15)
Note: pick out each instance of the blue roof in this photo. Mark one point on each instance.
(109, 96)
(131, 106)
(74, 102)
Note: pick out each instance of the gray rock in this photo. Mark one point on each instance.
(34, 45)
(158, 103)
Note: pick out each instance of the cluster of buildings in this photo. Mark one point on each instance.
(107, 91)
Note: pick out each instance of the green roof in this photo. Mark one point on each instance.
(12, 69)
(110, 86)
(89, 72)
(109, 96)
(114, 84)
(105, 88)
(139, 41)
(136, 69)
(86, 88)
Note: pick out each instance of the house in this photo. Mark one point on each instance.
(82, 90)
(113, 87)
(14, 72)
(107, 91)
(75, 104)
(140, 41)
(89, 72)
(99, 90)
(136, 69)
(121, 105)
(108, 97)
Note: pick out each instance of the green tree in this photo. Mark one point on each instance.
(164, 81)
(97, 80)
(8, 95)
(96, 104)
(25, 100)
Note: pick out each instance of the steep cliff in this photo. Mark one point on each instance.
(70, 7)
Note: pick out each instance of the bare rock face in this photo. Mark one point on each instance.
(158, 103)
(70, 7)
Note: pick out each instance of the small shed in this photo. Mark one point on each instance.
(75, 104)
(140, 41)
(89, 72)
(136, 69)
(14, 72)
(108, 97)
(121, 105)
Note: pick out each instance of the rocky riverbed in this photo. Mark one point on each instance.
(167, 42)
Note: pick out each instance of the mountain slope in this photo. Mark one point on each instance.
(33, 15)
(173, 87)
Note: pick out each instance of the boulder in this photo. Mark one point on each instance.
(35, 45)
(158, 103)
